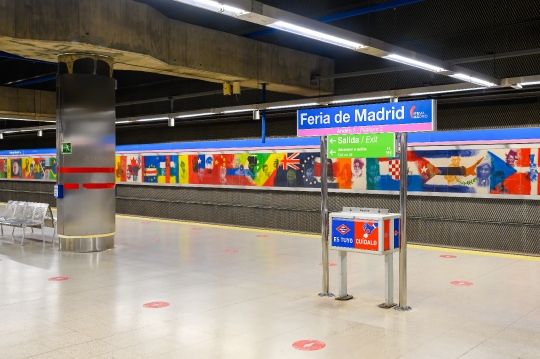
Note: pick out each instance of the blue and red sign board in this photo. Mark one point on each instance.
(409, 116)
(375, 236)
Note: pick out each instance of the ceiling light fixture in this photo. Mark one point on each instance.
(215, 6)
(444, 91)
(291, 106)
(316, 35)
(414, 63)
(473, 80)
(40, 133)
(1, 136)
(237, 111)
(360, 99)
(117, 122)
(530, 83)
(196, 115)
(152, 119)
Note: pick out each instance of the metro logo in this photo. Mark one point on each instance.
(412, 111)
(343, 229)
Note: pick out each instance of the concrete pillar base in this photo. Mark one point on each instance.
(86, 244)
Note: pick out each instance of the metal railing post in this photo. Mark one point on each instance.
(324, 214)
(403, 210)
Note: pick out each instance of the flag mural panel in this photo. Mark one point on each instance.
(121, 167)
(488, 171)
(50, 168)
(134, 168)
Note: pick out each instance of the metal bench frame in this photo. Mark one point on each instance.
(27, 215)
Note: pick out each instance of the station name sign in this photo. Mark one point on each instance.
(409, 116)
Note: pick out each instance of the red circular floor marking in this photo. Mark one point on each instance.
(308, 345)
(197, 229)
(58, 279)
(155, 240)
(262, 236)
(145, 222)
(461, 283)
(331, 264)
(230, 250)
(156, 305)
(448, 256)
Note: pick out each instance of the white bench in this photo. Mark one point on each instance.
(28, 215)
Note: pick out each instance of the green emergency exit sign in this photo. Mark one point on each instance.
(373, 145)
(66, 148)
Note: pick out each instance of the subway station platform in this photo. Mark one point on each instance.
(226, 292)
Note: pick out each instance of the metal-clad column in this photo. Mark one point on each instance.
(85, 148)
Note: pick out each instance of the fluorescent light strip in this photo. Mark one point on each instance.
(152, 119)
(361, 99)
(414, 63)
(316, 35)
(215, 6)
(473, 80)
(196, 115)
(236, 111)
(290, 106)
(117, 122)
(444, 91)
(530, 83)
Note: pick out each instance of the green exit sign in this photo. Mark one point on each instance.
(373, 145)
(66, 148)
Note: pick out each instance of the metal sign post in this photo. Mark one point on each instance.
(371, 120)
(403, 176)
(324, 213)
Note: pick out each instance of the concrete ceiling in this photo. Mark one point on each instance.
(438, 28)
(140, 38)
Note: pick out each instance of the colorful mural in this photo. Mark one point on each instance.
(485, 171)
(28, 168)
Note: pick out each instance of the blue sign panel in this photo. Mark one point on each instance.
(397, 232)
(58, 191)
(411, 116)
(342, 233)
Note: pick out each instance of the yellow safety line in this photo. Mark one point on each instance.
(416, 246)
(481, 253)
(269, 231)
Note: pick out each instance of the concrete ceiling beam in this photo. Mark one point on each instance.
(28, 105)
(140, 38)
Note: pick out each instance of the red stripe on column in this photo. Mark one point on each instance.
(98, 185)
(71, 186)
(85, 170)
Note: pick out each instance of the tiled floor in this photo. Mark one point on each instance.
(257, 301)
